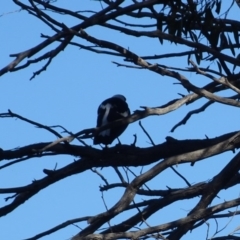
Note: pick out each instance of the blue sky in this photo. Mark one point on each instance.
(68, 94)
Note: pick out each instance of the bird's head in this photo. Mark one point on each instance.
(120, 97)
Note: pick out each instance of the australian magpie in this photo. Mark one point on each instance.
(110, 110)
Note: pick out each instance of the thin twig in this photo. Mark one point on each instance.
(145, 131)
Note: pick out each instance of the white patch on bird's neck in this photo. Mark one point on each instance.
(107, 108)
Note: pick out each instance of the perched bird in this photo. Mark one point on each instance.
(110, 110)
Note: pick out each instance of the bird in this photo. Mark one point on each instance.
(110, 110)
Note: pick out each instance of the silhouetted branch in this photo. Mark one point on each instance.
(60, 226)
(159, 228)
(11, 114)
(189, 115)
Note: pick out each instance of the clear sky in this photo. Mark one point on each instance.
(68, 94)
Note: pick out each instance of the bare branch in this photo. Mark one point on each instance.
(60, 226)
